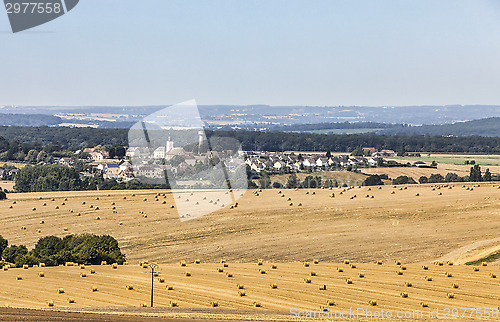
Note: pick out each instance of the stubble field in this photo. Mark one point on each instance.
(416, 225)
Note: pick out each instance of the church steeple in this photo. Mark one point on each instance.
(170, 144)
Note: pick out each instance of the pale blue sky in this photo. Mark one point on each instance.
(154, 52)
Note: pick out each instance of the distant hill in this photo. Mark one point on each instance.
(489, 127)
(29, 120)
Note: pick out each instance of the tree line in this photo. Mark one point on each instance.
(53, 251)
(78, 138)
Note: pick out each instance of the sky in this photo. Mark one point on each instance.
(275, 52)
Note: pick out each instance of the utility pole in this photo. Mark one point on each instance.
(153, 267)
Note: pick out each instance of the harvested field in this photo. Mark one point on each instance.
(350, 246)
(386, 227)
(378, 284)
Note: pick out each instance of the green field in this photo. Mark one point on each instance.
(457, 159)
(339, 131)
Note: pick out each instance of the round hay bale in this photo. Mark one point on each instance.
(50, 303)
(372, 303)
(60, 291)
(129, 287)
(19, 277)
(273, 286)
(214, 304)
(408, 284)
(169, 287)
(307, 280)
(241, 293)
(240, 286)
(322, 287)
(348, 281)
(404, 294)
(173, 304)
(71, 300)
(41, 274)
(93, 289)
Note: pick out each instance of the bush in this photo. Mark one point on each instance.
(404, 180)
(13, 253)
(423, 179)
(373, 180)
(3, 195)
(436, 178)
(3, 244)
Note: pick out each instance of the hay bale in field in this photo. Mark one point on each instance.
(241, 293)
(408, 284)
(214, 304)
(428, 278)
(104, 263)
(493, 275)
(316, 261)
(240, 286)
(60, 291)
(392, 192)
(439, 263)
(63, 204)
(361, 275)
(19, 277)
(455, 285)
(379, 262)
(424, 304)
(261, 271)
(306, 264)
(161, 280)
(403, 267)
(187, 274)
(450, 295)
(475, 269)
(257, 304)
(93, 289)
(307, 280)
(273, 286)
(397, 262)
(197, 261)
(484, 264)
(173, 304)
(348, 281)
(340, 270)
(400, 272)
(143, 305)
(330, 303)
(114, 266)
(448, 274)
(169, 287)
(81, 266)
(299, 204)
(41, 265)
(313, 273)
(25, 266)
(220, 270)
(182, 263)
(425, 267)
(97, 218)
(274, 266)
(225, 265)
(71, 300)
(50, 303)
(6, 267)
(322, 287)
(34, 209)
(42, 222)
(41, 274)
(229, 275)
(129, 287)
(372, 303)
(352, 265)
(83, 275)
(23, 228)
(404, 294)
(38, 230)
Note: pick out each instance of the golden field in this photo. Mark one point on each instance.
(414, 224)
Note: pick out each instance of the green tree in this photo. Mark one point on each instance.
(404, 180)
(487, 175)
(423, 179)
(373, 180)
(3, 195)
(292, 182)
(12, 253)
(3, 244)
(452, 177)
(436, 178)
(264, 181)
(475, 173)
